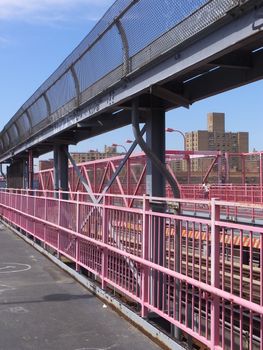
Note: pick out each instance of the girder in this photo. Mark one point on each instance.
(224, 78)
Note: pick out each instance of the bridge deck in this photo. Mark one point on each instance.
(42, 307)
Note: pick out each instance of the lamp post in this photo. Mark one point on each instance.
(187, 157)
(117, 145)
(180, 132)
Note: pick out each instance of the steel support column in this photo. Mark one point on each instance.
(155, 139)
(157, 172)
(56, 168)
(155, 187)
(30, 167)
(16, 174)
(61, 169)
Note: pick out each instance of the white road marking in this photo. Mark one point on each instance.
(5, 287)
(107, 348)
(13, 267)
(18, 310)
(7, 267)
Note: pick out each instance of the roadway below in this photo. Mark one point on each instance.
(42, 307)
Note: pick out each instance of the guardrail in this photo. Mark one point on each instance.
(188, 270)
(227, 192)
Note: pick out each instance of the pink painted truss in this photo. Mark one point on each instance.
(182, 164)
(190, 271)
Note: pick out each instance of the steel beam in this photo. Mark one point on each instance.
(81, 177)
(240, 60)
(155, 187)
(155, 139)
(30, 166)
(16, 174)
(63, 169)
(56, 167)
(224, 79)
(170, 96)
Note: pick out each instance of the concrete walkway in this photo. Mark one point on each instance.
(42, 307)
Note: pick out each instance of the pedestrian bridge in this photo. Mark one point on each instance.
(189, 50)
(185, 260)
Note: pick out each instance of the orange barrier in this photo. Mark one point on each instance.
(246, 241)
(170, 231)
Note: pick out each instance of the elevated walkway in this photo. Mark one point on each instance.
(43, 308)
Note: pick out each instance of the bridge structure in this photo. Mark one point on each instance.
(243, 184)
(194, 267)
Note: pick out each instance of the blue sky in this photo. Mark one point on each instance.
(36, 36)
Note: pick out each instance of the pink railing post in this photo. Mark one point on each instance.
(215, 271)
(9, 197)
(104, 258)
(145, 250)
(34, 214)
(21, 219)
(78, 231)
(14, 213)
(27, 211)
(59, 223)
(45, 226)
(261, 289)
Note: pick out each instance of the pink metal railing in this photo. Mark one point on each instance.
(226, 192)
(191, 271)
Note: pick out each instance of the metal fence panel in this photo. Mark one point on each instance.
(182, 22)
(23, 124)
(38, 111)
(14, 136)
(61, 92)
(102, 58)
(153, 19)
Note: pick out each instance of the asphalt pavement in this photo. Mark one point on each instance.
(42, 307)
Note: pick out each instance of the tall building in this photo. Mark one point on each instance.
(46, 164)
(215, 138)
(82, 157)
